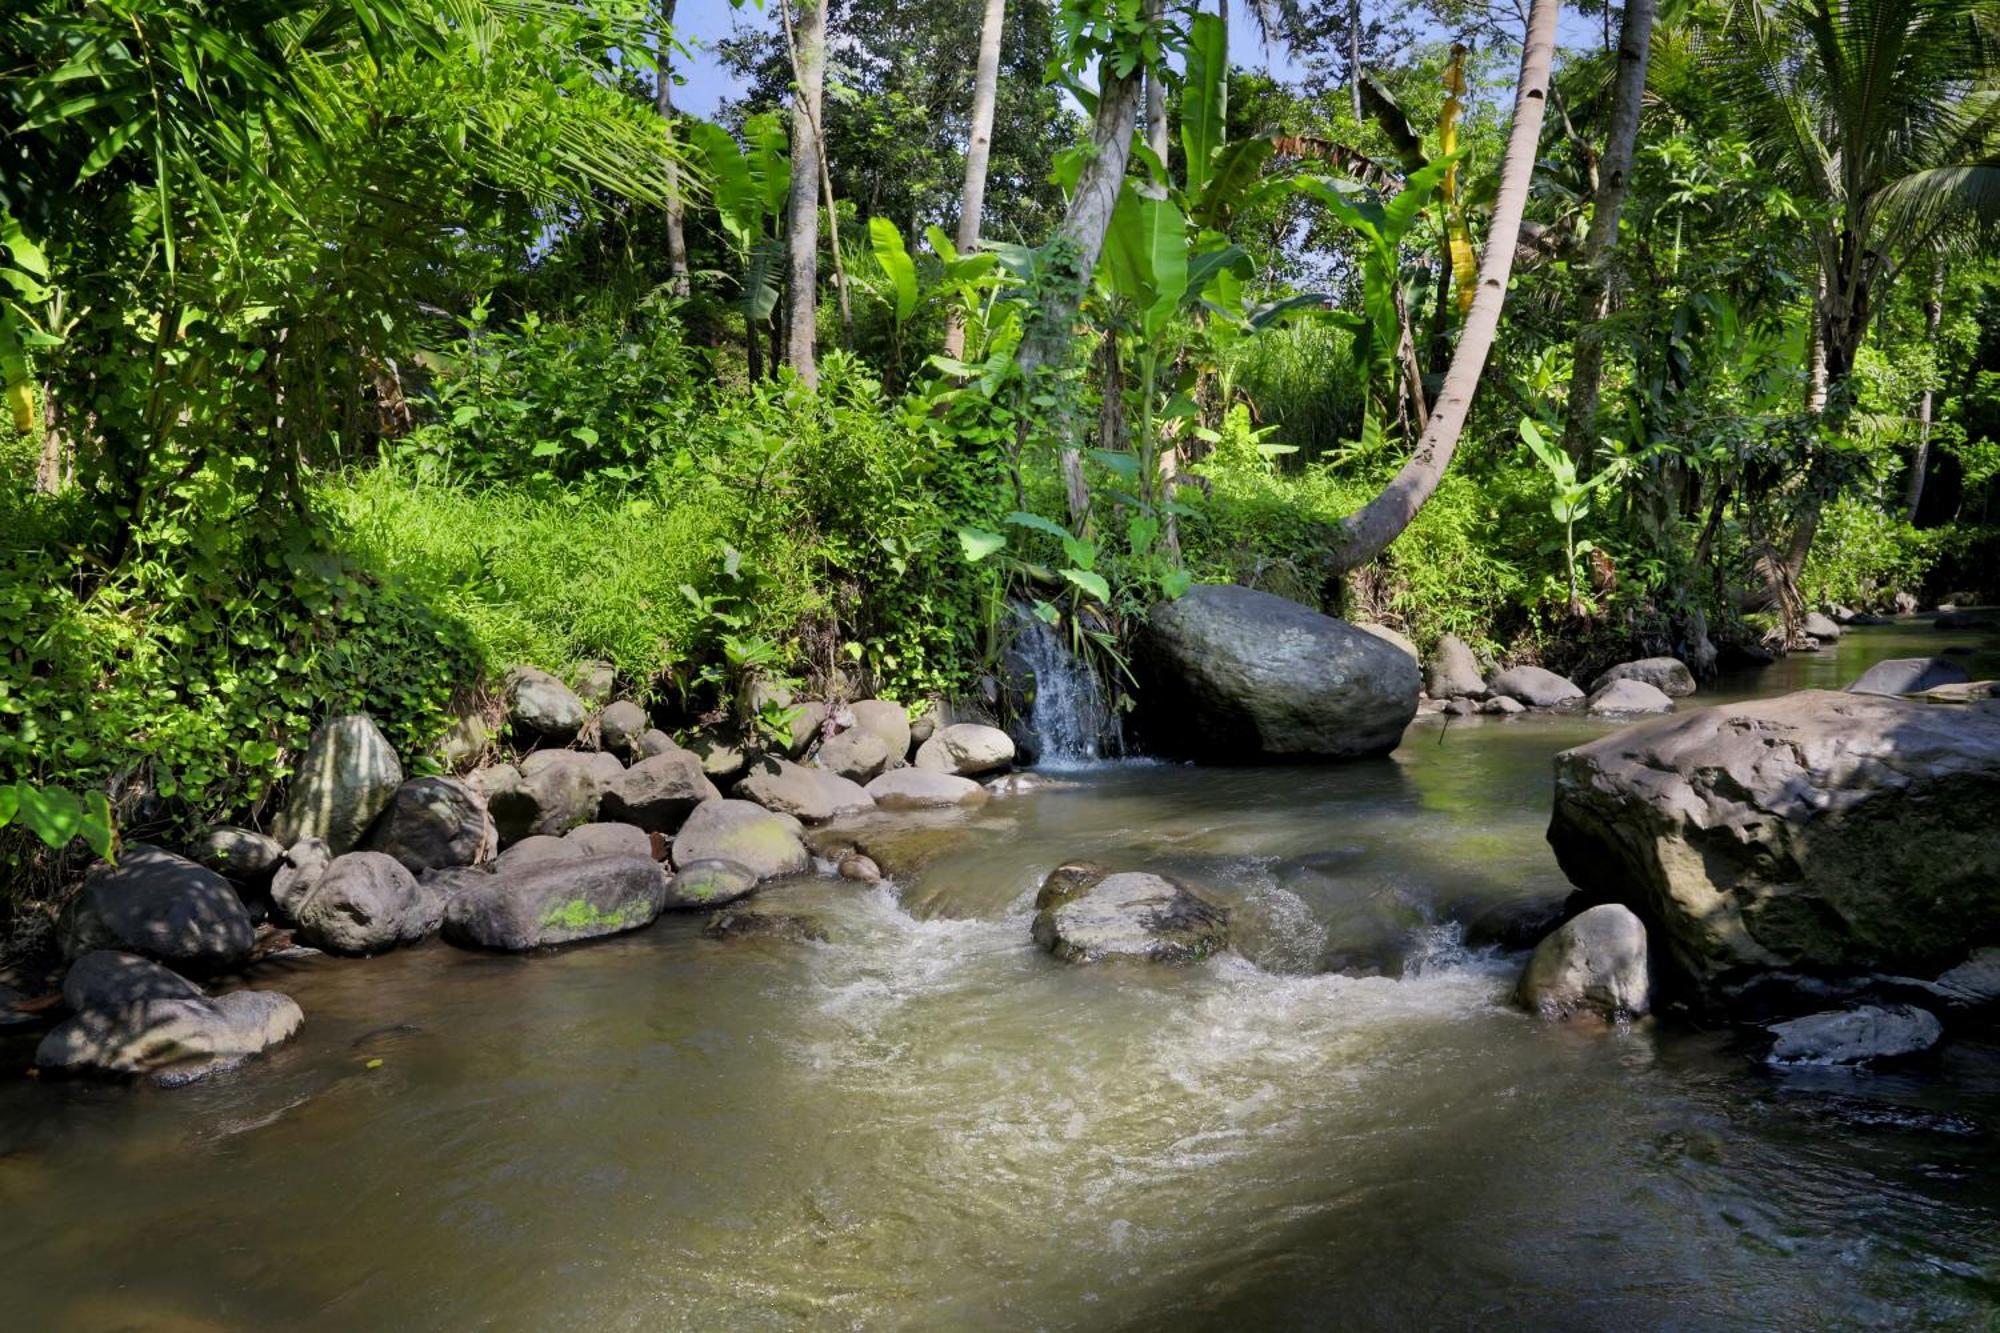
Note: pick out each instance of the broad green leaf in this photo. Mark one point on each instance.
(50, 813)
(1093, 584)
(886, 241)
(1036, 523)
(1121, 464)
(979, 543)
(1204, 97)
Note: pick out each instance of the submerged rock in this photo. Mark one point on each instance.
(557, 902)
(136, 1017)
(1669, 675)
(967, 749)
(749, 923)
(542, 708)
(433, 823)
(921, 789)
(347, 775)
(1595, 961)
(1535, 687)
(861, 869)
(1133, 917)
(1230, 673)
(1454, 672)
(1819, 831)
(768, 845)
(1855, 1036)
(1908, 675)
(159, 906)
(1627, 697)
(367, 903)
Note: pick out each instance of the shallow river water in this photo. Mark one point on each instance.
(925, 1122)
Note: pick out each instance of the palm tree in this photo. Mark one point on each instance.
(978, 149)
(663, 101)
(1368, 531)
(1885, 116)
(1614, 170)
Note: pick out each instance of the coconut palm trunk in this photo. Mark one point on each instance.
(1920, 461)
(1368, 531)
(978, 151)
(802, 204)
(1593, 296)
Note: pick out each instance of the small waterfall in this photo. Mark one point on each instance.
(1067, 710)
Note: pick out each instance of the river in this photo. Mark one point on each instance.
(925, 1122)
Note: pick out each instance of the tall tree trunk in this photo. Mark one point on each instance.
(1367, 532)
(663, 100)
(1077, 242)
(1354, 57)
(1593, 295)
(1921, 461)
(978, 150)
(1156, 117)
(802, 205)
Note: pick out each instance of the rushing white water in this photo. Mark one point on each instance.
(1068, 711)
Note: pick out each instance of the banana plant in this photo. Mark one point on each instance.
(749, 188)
(1571, 500)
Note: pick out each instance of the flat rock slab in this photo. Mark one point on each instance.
(1133, 917)
(557, 902)
(1855, 1036)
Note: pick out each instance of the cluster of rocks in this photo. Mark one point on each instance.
(1822, 865)
(1459, 686)
(561, 845)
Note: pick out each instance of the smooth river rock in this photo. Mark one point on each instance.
(855, 754)
(1820, 626)
(1908, 675)
(435, 823)
(1855, 1036)
(347, 775)
(1535, 686)
(1132, 917)
(620, 726)
(808, 794)
(367, 903)
(1669, 675)
(1627, 697)
(920, 789)
(542, 708)
(709, 883)
(768, 845)
(1230, 673)
(887, 720)
(239, 855)
(557, 902)
(1818, 831)
(159, 906)
(968, 749)
(1595, 962)
(551, 792)
(657, 794)
(136, 1017)
(1454, 672)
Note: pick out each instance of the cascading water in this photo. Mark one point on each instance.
(1067, 710)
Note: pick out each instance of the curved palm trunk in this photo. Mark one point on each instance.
(802, 205)
(978, 151)
(1367, 532)
(663, 100)
(1593, 297)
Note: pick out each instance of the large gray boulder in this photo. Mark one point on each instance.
(1822, 831)
(620, 726)
(135, 1017)
(766, 844)
(551, 792)
(855, 754)
(1820, 626)
(920, 789)
(367, 903)
(1232, 673)
(433, 823)
(1131, 917)
(1668, 675)
(1626, 697)
(1594, 962)
(1535, 687)
(556, 902)
(237, 854)
(1454, 672)
(659, 793)
(1860, 1035)
(159, 906)
(807, 794)
(968, 749)
(1909, 675)
(888, 721)
(542, 708)
(346, 776)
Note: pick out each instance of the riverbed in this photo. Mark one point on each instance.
(925, 1122)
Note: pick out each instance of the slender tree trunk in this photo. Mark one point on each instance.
(802, 206)
(1077, 242)
(1593, 297)
(1354, 57)
(1367, 532)
(663, 100)
(1920, 463)
(978, 150)
(1156, 117)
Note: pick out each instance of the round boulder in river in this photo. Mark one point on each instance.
(1230, 673)
(808, 794)
(1818, 832)
(1627, 697)
(620, 726)
(367, 903)
(237, 854)
(1820, 626)
(967, 749)
(659, 793)
(1668, 675)
(1908, 675)
(1454, 672)
(346, 776)
(1535, 687)
(159, 906)
(921, 789)
(551, 792)
(1595, 961)
(709, 883)
(133, 1016)
(768, 845)
(557, 902)
(1132, 917)
(887, 720)
(856, 754)
(432, 823)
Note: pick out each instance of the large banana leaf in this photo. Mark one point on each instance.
(739, 197)
(1204, 97)
(886, 241)
(1146, 256)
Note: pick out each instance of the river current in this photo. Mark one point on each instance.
(925, 1122)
